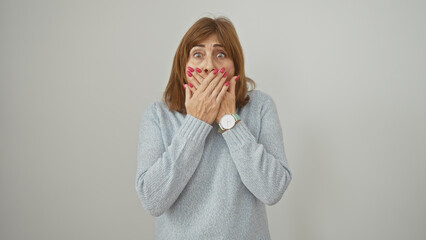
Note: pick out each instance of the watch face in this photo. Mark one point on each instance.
(227, 121)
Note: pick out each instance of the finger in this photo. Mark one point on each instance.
(198, 70)
(192, 88)
(187, 93)
(222, 93)
(196, 78)
(233, 83)
(214, 83)
(189, 76)
(219, 86)
(193, 83)
(206, 82)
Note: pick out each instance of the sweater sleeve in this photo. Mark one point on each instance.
(261, 164)
(163, 172)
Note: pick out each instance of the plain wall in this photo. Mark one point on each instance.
(348, 78)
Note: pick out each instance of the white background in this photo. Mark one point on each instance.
(348, 78)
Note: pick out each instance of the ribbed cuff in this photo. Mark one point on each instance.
(194, 128)
(238, 136)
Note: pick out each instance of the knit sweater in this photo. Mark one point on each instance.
(201, 184)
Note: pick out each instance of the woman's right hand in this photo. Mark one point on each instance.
(204, 102)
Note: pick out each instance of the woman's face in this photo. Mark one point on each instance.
(209, 55)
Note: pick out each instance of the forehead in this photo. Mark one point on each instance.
(211, 40)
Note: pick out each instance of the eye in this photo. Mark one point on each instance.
(221, 55)
(197, 54)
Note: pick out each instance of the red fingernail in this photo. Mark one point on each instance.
(189, 73)
(224, 75)
(190, 84)
(222, 70)
(190, 69)
(215, 71)
(227, 83)
(198, 70)
(237, 78)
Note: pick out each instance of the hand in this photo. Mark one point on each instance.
(228, 104)
(204, 102)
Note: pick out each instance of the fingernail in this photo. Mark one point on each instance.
(189, 73)
(224, 75)
(190, 84)
(237, 78)
(198, 70)
(184, 85)
(190, 69)
(222, 70)
(227, 83)
(215, 71)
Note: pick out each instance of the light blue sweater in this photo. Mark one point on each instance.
(201, 184)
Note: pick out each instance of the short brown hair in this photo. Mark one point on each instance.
(174, 95)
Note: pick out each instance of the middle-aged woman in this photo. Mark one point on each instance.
(211, 153)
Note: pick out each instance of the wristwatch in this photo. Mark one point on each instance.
(228, 121)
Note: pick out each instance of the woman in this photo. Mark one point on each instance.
(211, 154)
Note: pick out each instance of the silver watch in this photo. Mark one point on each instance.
(228, 121)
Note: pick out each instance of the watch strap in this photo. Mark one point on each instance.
(236, 116)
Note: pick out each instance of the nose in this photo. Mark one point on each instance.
(208, 66)
(207, 70)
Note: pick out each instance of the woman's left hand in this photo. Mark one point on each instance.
(228, 103)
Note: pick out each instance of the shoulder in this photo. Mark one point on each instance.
(260, 98)
(261, 103)
(151, 111)
(156, 107)
(157, 110)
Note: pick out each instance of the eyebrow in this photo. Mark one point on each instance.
(202, 45)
